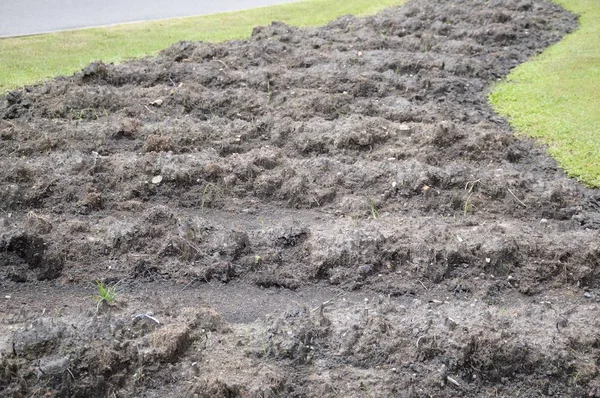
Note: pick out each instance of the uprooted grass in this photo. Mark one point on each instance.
(555, 96)
(28, 60)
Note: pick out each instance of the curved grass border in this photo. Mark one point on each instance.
(31, 59)
(555, 97)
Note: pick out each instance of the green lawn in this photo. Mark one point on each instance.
(555, 97)
(28, 60)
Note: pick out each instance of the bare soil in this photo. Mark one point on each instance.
(331, 212)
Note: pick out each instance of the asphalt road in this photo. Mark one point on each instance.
(27, 17)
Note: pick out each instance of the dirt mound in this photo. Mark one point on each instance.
(355, 161)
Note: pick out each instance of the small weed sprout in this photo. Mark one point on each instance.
(470, 188)
(138, 376)
(105, 294)
(468, 205)
(204, 194)
(83, 112)
(257, 262)
(365, 386)
(575, 378)
(374, 212)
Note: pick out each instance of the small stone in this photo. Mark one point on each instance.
(404, 128)
(451, 323)
(365, 269)
(53, 365)
(587, 295)
(157, 179)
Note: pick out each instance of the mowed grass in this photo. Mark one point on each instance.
(31, 59)
(555, 97)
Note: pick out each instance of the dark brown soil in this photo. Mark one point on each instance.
(310, 212)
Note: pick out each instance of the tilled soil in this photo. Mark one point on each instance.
(309, 212)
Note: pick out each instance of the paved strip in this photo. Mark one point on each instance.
(28, 17)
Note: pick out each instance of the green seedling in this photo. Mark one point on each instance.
(82, 113)
(374, 212)
(366, 387)
(104, 294)
(261, 222)
(575, 378)
(269, 91)
(204, 194)
(468, 205)
(470, 188)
